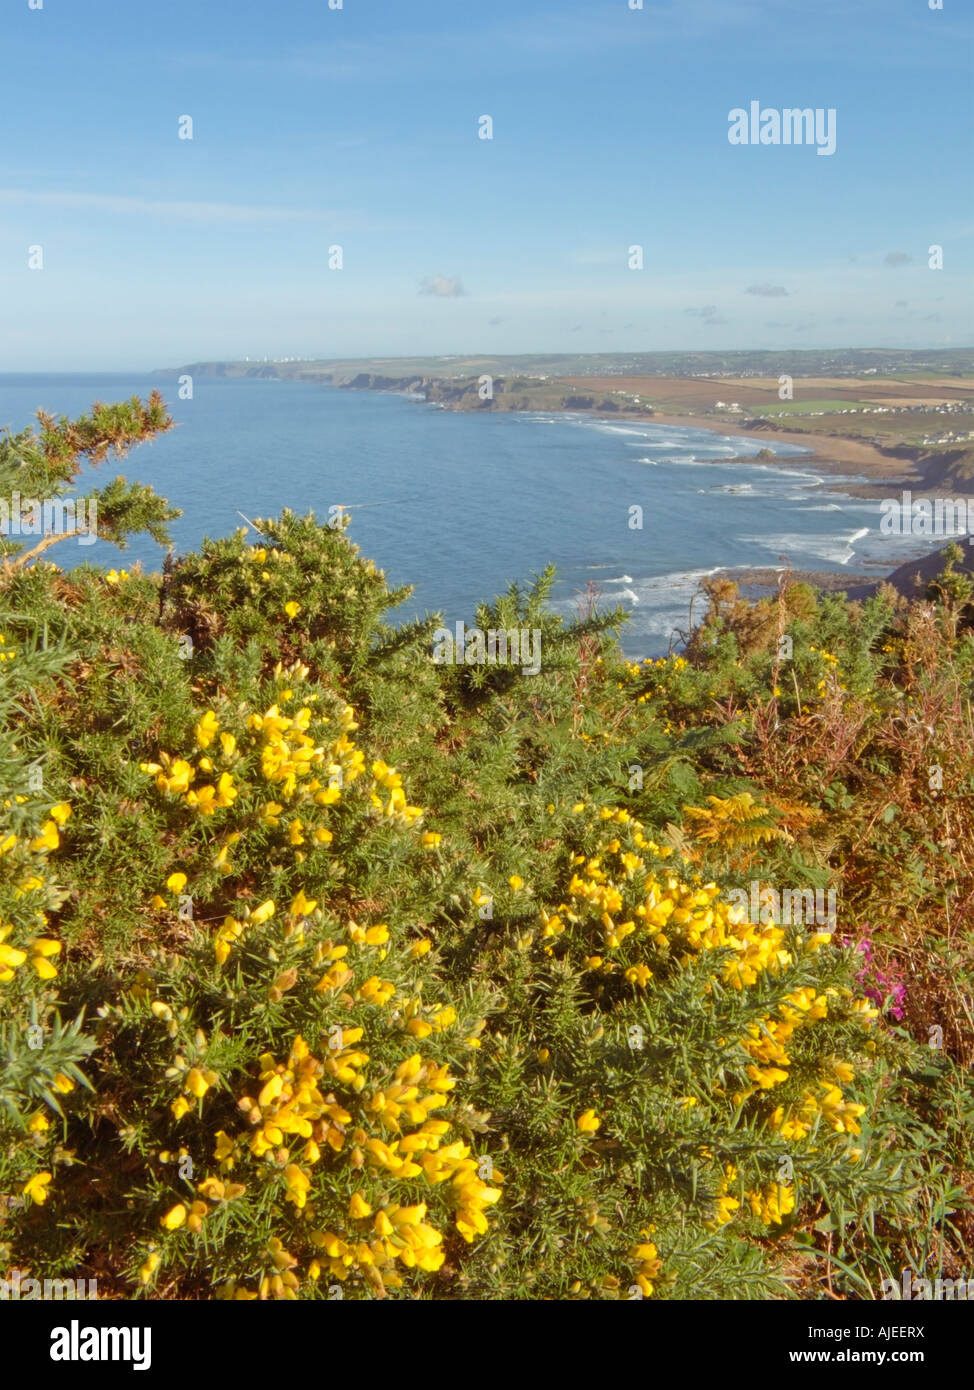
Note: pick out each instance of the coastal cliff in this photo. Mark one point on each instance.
(505, 393)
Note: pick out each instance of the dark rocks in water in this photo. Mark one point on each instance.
(760, 583)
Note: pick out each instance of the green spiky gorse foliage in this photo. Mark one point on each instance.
(329, 971)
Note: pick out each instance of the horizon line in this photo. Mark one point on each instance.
(289, 359)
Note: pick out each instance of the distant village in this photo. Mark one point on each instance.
(943, 408)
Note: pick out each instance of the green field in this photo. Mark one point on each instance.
(809, 407)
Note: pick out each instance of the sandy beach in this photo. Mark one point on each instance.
(838, 455)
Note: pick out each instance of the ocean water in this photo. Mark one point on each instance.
(460, 505)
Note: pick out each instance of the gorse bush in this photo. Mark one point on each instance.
(328, 971)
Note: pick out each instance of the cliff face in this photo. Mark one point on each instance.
(264, 370)
(509, 393)
(513, 392)
(369, 381)
(432, 388)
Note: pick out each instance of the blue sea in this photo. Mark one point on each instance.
(459, 505)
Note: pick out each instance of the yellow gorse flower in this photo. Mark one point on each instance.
(292, 1106)
(207, 729)
(36, 1188)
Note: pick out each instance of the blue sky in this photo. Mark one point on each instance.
(358, 127)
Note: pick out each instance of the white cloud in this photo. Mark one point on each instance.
(441, 286)
(158, 207)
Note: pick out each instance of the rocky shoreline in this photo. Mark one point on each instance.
(758, 583)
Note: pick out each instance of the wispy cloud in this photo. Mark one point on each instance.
(551, 36)
(523, 42)
(441, 286)
(158, 207)
(708, 313)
